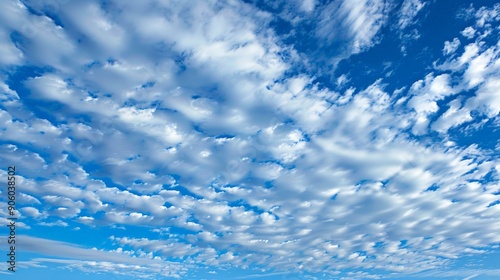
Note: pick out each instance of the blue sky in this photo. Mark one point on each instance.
(252, 139)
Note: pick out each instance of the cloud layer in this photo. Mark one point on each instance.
(190, 127)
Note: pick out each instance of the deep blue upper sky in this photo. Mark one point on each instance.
(252, 139)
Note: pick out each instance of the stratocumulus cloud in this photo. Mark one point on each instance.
(237, 139)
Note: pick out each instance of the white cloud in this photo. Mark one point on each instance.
(308, 5)
(451, 47)
(476, 68)
(425, 95)
(93, 260)
(454, 116)
(487, 99)
(408, 12)
(467, 273)
(58, 223)
(9, 54)
(30, 212)
(188, 116)
(486, 15)
(468, 32)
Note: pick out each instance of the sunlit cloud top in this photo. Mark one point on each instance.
(253, 139)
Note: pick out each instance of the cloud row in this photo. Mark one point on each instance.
(187, 123)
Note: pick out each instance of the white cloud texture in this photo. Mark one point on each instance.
(184, 121)
(362, 19)
(408, 12)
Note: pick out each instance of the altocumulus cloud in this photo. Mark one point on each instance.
(192, 139)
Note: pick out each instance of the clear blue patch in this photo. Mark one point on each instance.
(402, 243)
(486, 137)
(148, 85)
(493, 203)
(269, 184)
(432, 188)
